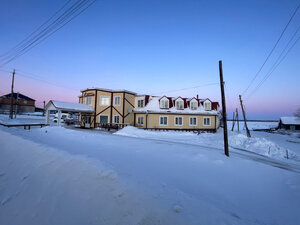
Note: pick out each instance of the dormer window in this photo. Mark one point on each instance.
(207, 105)
(179, 104)
(164, 103)
(141, 103)
(193, 104)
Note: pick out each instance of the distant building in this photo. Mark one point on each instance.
(149, 112)
(21, 103)
(289, 123)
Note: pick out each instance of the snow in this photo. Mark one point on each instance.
(237, 141)
(293, 120)
(22, 119)
(253, 125)
(71, 106)
(153, 107)
(55, 175)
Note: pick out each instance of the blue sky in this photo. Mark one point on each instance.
(155, 46)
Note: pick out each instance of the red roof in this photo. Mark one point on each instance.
(214, 105)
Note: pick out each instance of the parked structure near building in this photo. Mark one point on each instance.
(21, 103)
(149, 112)
(62, 107)
(289, 123)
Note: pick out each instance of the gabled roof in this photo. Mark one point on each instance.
(206, 99)
(290, 120)
(24, 97)
(193, 98)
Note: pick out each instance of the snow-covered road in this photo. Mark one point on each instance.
(159, 182)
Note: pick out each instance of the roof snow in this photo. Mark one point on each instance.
(70, 106)
(290, 120)
(153, 107)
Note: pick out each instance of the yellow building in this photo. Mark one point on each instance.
(124, 107)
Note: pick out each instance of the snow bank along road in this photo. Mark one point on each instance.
(61, 176)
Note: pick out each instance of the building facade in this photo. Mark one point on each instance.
(111, 106)
(150, 112)
(21, 103)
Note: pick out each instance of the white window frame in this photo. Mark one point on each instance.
(164, 124)
(193, 102)
(119, 97)
(86, 100)
(181, 101)
(179, 125)
(207, 103)
(104, 115)
(115, 119)
(162, 106)
(207, 125)
(140, 101)
(139, 117)
(190, 121)
(103, 96)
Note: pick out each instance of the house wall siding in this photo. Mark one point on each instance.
(153, 121)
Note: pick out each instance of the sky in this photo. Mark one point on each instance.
(156, 47)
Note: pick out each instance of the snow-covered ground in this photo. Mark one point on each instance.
(253, 125)
(237, 141)
(23, 119)
(55, 175)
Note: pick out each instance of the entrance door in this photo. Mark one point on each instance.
(87, 122)
(103, 119)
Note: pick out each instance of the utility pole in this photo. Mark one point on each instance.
(223, 110)
(242, 106)
(237, 119)
(44, 108)
(11, 96)
(17, 105)
(233, 121)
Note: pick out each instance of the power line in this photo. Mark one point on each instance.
(272, 70)
(286, 26)
(188, 88)
(20, 44)
(51, 29)
(40, 79)
(72, 12)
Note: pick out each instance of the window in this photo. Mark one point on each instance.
(117, 119)
(207, 106)
(141, 103)
(206, 121)
(88, 100)
(178, 121)
(140, 120)
(179, 104)
(164, 103)
(25, 101)
(193, 121)
(163, 121)
(117, 100)
(103, 119)
(104, 100)
(194, 105)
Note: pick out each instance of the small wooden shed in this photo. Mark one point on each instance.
(289, 123)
